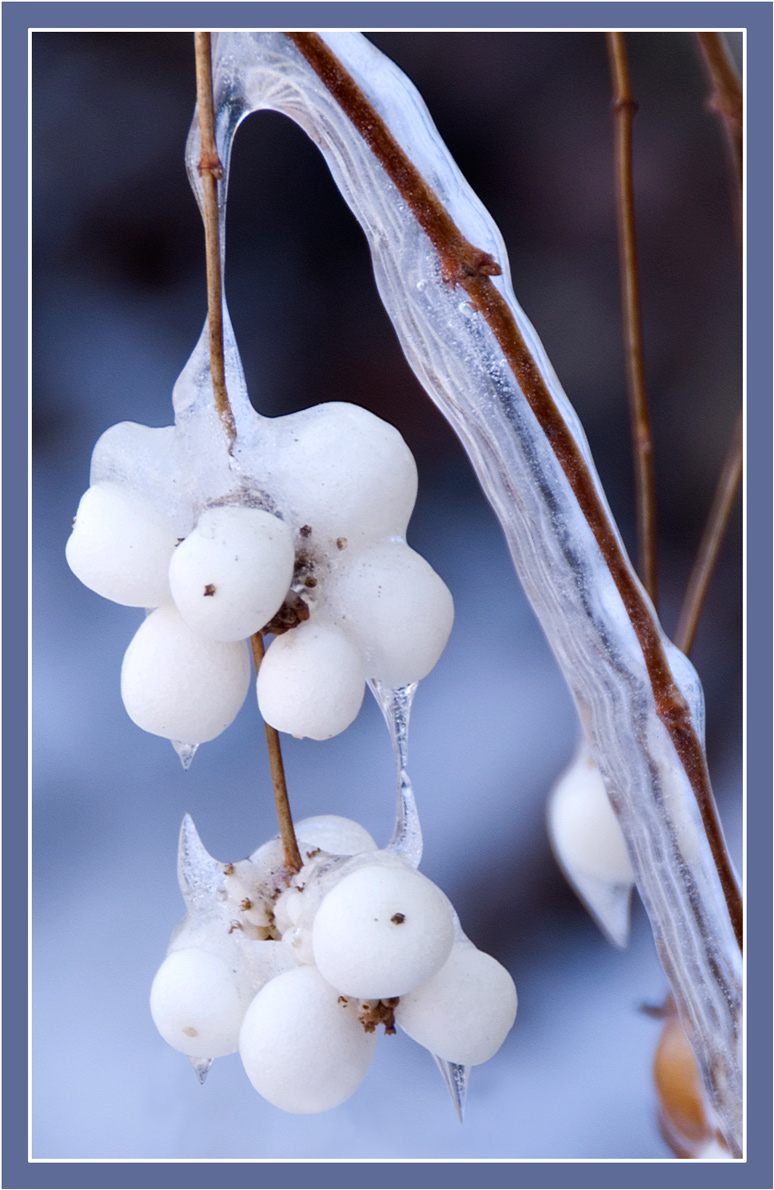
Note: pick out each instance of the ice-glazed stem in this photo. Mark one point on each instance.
(442, 272)
(211, 172)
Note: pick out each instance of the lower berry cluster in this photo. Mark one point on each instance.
(297, 972)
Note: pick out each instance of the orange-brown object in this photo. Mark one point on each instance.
(681, 1114)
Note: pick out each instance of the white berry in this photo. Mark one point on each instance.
(382, 930)
(333, 833)
(179, 685)
(311, 681)
(120, 547)
(301, 1043)
(396, 607)
(465, 1011)
(348, 474)
(232, 572)
(584, 830)
(196, 1003)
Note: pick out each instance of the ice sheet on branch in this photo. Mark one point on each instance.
(459, 362)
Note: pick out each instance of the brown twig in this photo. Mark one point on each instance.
(726, 100)
(624, 109)
(472, 269)
(211, 171)
(292, 855)
(712, 538)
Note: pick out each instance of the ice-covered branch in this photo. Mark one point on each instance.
(442, 272)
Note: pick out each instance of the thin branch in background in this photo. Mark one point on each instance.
(727, 101)
(292, 855)
(712, 538)
(211, 171)
(624, 109)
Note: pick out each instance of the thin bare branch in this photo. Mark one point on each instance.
(211, 171)
(726, 100)
(292, 855)
(624, 109)
(712, 539)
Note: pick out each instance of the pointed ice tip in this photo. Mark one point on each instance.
(196, 868)
(202, 1067)
(186, 752)
(456, 1080)
(609, 905)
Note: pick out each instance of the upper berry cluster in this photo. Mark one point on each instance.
(303, 537)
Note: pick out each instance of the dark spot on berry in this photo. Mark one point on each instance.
(209, 589)
(305, 530)
(310, 582)
(341, 543)
(190, 1031)
(229, 869)
(246, 904)
(398, 918)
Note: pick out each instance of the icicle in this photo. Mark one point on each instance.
(456, 1079)
(202, 1067)
(186, 752)
(396, 708)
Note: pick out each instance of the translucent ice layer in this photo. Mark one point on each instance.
(639, 701)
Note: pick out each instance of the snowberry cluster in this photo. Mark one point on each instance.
(301, 535)
(298, 974)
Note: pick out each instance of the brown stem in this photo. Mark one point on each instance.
(472, 269)
(624, 108)
(726, 100)
(712, 538)
(285, 818)
(211, 171)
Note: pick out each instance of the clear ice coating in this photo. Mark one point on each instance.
(201, 1068)
(457, 359)
(395, 705)
(455, 1079)
(199, 875)
(186, 752)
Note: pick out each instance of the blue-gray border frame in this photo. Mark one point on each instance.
(17, 18)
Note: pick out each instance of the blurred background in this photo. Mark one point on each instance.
(119, 301)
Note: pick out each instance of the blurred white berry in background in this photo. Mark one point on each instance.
(589, 845)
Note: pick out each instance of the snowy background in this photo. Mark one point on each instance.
(118, 305)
